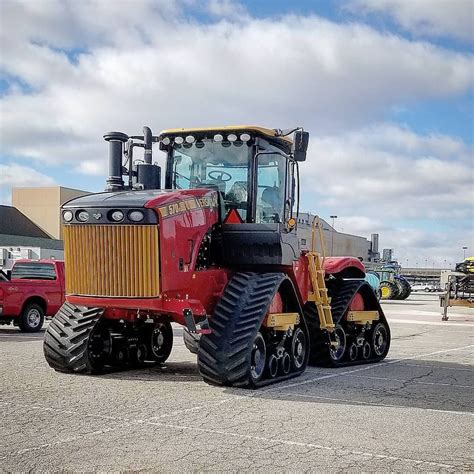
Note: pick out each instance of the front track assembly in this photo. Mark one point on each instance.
(241, 351)
(79, 340)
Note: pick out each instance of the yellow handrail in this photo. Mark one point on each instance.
(316, 224)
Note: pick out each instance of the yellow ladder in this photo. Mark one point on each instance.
(319, 294)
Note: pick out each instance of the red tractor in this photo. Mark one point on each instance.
(215, 251)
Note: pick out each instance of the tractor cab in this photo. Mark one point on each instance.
(253, 169)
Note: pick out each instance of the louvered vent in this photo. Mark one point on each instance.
(111, 260)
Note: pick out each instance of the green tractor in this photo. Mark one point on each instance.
(392, 285)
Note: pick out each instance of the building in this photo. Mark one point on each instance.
(336, 243)
(42, 206)
(22, 238)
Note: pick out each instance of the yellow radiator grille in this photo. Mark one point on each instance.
(111, 260)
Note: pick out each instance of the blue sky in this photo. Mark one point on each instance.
(385, 88)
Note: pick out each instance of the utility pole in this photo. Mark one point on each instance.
(332, 235)
(464, 255)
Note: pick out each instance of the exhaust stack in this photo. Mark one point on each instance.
(116, 141)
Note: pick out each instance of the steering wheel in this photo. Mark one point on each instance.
(220, 175)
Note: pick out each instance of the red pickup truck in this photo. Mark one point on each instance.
(35, 290)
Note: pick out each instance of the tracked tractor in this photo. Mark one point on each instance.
(216, 251)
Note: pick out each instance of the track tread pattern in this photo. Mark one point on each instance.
(66, 340)
(224, 355)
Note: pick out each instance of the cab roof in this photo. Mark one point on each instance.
(268, 133)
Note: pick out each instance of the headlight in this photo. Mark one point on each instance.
(82, 216)
(67, 216)
(136, 216)
(117, 216)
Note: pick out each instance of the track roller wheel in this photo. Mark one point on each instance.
(337, 351)
(160, 341)
(140, 355)
(366, 350)
(353, 352)
(258, 357)
(272, 365)
(380, 340)
(299, 348)
(285, 364)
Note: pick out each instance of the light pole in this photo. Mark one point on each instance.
(332, 235)
(464, 252)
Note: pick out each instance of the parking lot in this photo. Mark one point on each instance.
(411, 412)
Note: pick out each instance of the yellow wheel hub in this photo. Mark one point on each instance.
(385, 292)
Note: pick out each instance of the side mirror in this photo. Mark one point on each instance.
(300, 145)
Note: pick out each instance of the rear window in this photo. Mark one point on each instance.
(34, 271)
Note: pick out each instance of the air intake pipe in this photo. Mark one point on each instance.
(148, 174)
(116, 141)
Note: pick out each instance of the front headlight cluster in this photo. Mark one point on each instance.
(114, 215)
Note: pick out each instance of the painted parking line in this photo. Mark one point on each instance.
(412, 381)
(375, 404)
(176, 427)
(429, 323)
(363, 369)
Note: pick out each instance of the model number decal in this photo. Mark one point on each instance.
(190, 204)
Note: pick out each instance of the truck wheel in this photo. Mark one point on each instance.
(32, 318)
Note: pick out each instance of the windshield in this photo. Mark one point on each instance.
(224, 166)
(219, 165)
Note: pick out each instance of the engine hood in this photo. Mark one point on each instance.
(133, 199)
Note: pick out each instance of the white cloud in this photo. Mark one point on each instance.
(91, 67)
(147, 65)
(423, 17)
(415, 190)
(391, 171)
(13, 175)
(227, 9)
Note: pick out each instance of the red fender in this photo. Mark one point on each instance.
(351, 266)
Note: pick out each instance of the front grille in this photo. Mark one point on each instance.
(111, 260)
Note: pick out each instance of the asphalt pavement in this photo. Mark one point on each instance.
(412, 412)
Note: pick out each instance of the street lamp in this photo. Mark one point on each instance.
(332, 235)
(464, 255)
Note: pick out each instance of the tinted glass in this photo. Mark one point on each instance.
(34, 271)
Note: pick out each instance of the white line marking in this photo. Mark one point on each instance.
(362, 369)
(384, 405)
(429, 323)
(337, 451)
(412, 381)
(439, 367)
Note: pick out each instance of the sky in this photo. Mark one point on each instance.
(385, 88)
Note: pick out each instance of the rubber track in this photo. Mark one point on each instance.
(66, 340)
(224, 355)
(341, 293)
(191, 341)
